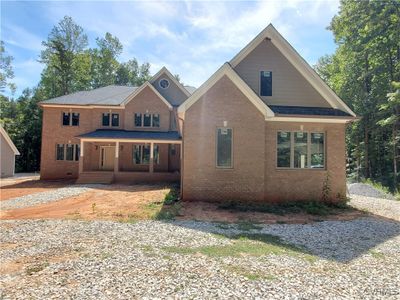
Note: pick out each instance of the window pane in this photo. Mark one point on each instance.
(317, 150)
(69, 154)
(66, 119)
(266, 83)
(224, 147)
(156, 120)
(106, 119)
(147, 120)
(136, 154)
(283, 149)
(146, 154)
(77, 151)
(60, 152)
(115, 120)
(156, 154)
(75, 119)
(138, 119)
(300, 149)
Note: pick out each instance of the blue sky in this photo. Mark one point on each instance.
(191, 39)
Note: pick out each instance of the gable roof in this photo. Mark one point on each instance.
(164, 70)
(227, 70)
(297, 61)
(8, 140)
(142, 87)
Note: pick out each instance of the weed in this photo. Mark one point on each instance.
(247, 226)
(250, 275)
(326, 189)
(172, 196)
(222, 224)
(168, 212)
(376, 254)
(93, 207)
(36, 268)
(105, 255)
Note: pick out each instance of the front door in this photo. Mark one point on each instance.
(107, 154)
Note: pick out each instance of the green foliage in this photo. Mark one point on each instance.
(6, 70)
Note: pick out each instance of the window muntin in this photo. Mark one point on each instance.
(147, 120)
(224, 148)
(141, 154)
(69, 152)
(75, 119)
(283, 149)
(300, 149)
(65, 118)
(115, 120)
(265, 83)
(106, 119)
(317, 149)
(156, 120)
(60, 152)
(138, 120)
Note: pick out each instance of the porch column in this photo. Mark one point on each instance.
(151, 167)
(116, 160)
(81, 157)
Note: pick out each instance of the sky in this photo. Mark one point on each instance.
(190, 38)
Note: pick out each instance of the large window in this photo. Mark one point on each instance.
(75, 119)
(138, 119)
(115, 120)
(266, 83)
(147, 120)
(141, 154)
(106, 119)
(65, 119)
(224, 148)
(300, 149)
(68, 152)
(70, 119)
(156, 120)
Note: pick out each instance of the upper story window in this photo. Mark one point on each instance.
(138, 119)
(156, 120)
(70, 119)
(147, 120)
(163, 83)
(300, 150)
(224, 148)
(266, 83)
(110, 120)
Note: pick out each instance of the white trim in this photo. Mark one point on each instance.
(310, 120)
(109, 140)
(164, 70)
(227, 70)
(297, 61)
(9, 141)
(159, 83)
(141, 88)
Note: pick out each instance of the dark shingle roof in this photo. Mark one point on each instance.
(108, 95)
(131, 134)
(312, 111)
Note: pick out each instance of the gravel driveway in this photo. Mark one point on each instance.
(61, 259)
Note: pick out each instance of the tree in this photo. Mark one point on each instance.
(6, 70)
(130, 73)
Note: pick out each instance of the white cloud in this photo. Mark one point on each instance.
(21, 37)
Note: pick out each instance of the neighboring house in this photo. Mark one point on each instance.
(8, 152)
(264, 127)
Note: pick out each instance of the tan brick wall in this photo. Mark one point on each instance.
(201, 179)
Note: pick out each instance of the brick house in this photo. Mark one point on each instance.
(263, 127)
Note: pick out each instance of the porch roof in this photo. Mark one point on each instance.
(131, 135)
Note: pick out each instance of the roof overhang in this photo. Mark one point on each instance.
(165, 71)
(9, 141)
(71, 106)
(312, 119)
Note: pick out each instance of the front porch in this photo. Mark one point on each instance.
(131, 160)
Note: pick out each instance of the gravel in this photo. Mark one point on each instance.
(382, 207)
(44, 197)
(364, 189)
(358, 259)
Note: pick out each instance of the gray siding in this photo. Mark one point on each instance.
(173, 93)
(7, 161)
(289, 87)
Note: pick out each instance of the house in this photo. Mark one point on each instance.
(263, 127)
(8, 152)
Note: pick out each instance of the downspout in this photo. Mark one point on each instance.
(181, 129)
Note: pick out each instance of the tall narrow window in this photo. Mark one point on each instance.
(115, 120)
(224, 147)
(141, 154)
(75, 119)
(266, 83)
(65, 119)
(77, 151)
(156, 154)
(317, 149)
(106, 119)
(137, 154)
(147, 120)
(138, 119)
(156, 120)
(69, 153)
(283, 149)
(300, 150)
(60, 152)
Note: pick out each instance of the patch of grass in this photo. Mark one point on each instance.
(76, 215)
(247, 226)
(36, 268)
(222, 224)
(105, 255)
(379, 186)
(172, 196)
(246, 244)
(168, 212)
(376, 254)
(249, 274)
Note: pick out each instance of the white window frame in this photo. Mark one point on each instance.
(259, 83)
(216, 150)
(156, 159)
(75, 156)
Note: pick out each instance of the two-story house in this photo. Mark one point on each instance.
(263, 127)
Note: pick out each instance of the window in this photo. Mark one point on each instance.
(172, 149)
(115, 120)
(138, 119)
(224, 147)
(141, 154)
(156, 120)
(147, 120)
(65, 119)
(77, 152)
(75, 119)
(69, 154)
(283, 151)
(106, 119)
(300, 150)
(163, 83)
(60, 152)
(266, 83)
(317, 150)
